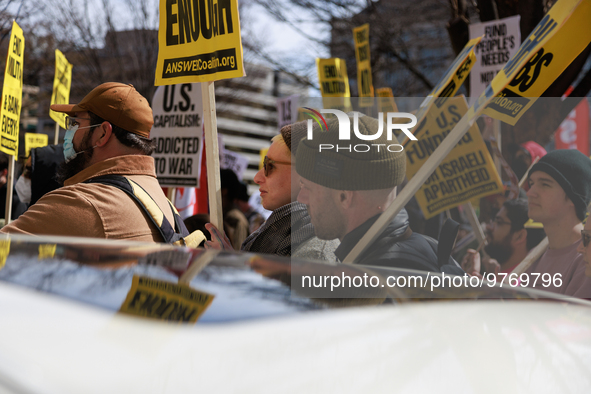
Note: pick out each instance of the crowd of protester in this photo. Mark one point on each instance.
(323, 201)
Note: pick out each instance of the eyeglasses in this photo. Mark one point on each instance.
(269, 164)
(586, 235)
(499, 222)
(72, 121)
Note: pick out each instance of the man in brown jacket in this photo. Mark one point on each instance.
(108, 134)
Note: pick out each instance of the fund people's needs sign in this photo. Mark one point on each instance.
(500, 41)
(198, 41)
(466, 173)
(555, 42)
(61, 86)
(178, 132)
(12, 92)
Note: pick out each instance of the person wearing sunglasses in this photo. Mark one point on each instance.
(108, 133)
(288, 231)
(558, 196)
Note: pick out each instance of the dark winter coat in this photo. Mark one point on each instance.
(395, 248)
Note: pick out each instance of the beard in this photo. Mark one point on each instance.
(327, 226)
(500, 251)
(326, 233)
(78, 163)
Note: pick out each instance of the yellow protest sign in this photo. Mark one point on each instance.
(451, 81)
(161, 300)
(362, 54)
(47, 251)
(466, 173)
(198, 41)
(334, 82)
(34, 140)
(4, 251)
(12, 92)
(458, 71)
(61, 86)
(555, 42)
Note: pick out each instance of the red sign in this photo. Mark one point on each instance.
(573, 132)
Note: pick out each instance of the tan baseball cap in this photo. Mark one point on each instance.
(116, 103)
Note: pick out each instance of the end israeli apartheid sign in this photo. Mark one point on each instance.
(554, 43)
(467, 172)
(500, 41)
(61, 86)
(178, 132)
(198, 41)
(12, 92)
(559, 27)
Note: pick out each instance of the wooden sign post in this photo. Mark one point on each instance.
(214, 185)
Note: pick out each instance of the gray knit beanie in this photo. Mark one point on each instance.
(292, 135)
(572, 170)
(357, 164)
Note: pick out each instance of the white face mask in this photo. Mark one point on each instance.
(23, 189)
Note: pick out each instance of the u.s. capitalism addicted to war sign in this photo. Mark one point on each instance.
(466, 173)
(199, 41)
(178, 133)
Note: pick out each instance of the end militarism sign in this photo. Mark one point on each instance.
(199, 41)
(12, 92)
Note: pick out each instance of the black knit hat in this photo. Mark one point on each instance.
(572, 170)
(375, 164)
